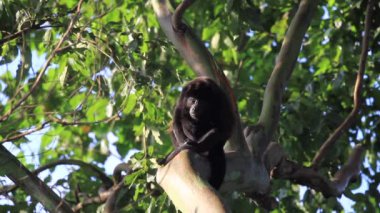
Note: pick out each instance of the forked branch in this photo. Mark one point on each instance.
(307, 176)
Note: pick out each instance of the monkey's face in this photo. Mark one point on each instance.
(198, 108)
(192, 107)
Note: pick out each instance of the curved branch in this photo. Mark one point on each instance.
(103, 177)
(331, 141)
(99, 173)
(286, 60)
(121, 167)
(177, 23)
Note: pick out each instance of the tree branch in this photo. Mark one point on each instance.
(110, 205)
(18, 136)
(308, 176)
(331, 141)
(26, 30)
(99, 173)
(117, 172)
(29, 182)
(177, 23)
(195, 195)
(59, 121)
(101, 198)
(103, 177)
(187, 43)
(193, 50)
(70, 123)
(285, 63)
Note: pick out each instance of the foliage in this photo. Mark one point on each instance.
(113, 83)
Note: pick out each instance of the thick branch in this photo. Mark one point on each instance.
(29, 182)
(243, 174)
(309, 177)
(187, 43)
(285, 63)
(330, 142)
(193, 195)
(198, 57)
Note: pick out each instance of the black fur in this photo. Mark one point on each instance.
(203, 122)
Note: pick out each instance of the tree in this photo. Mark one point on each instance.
(111, 74)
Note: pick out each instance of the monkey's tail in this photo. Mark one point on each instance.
(218, 166)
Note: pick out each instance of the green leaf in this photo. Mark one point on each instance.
(97, 111)
(324, 66)
(77, 100)
(131, 103)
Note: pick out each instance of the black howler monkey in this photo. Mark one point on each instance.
(203, 122)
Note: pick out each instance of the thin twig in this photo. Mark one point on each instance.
(19, 33)
(102, 176)
(46, 65)
(59, 121)
(330, 142)
(26, 30)
(101, 198)
(18, 136)
(70, 123)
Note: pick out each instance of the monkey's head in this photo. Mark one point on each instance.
(203, 101)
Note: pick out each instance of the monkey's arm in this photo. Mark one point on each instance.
(205, 143)
(209, 140)
(172, 154)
